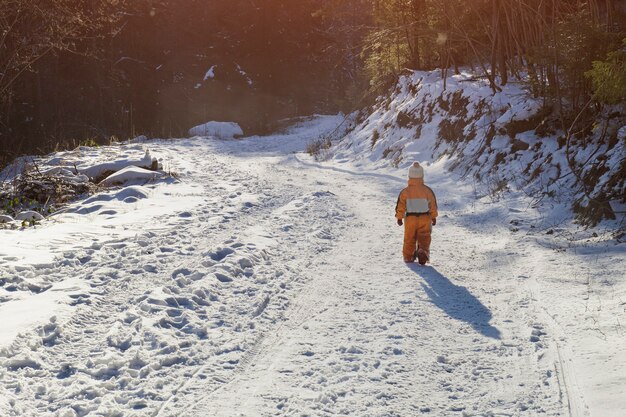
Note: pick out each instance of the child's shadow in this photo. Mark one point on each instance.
(456, 301)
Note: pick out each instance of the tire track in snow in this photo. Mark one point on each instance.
(546, 332)
(574, 398)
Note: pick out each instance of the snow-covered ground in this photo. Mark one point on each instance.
(255, 281)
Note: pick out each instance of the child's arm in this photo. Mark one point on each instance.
(401, 206)
(432, 202)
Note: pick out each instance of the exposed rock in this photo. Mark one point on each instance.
(519, 145)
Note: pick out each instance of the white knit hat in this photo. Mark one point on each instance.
(416, 171)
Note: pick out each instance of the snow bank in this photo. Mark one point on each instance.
(505, 140)
(29, 215)
(220, 130)
(34, 187)
(67, 174)
(6, 219)
(80, 218)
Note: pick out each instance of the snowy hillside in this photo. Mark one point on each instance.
(503, 141)
(243, 278)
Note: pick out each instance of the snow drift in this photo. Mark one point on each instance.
(220, 130)
(99, 170)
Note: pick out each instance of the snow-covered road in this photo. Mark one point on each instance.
(368, 335)
(282, 291)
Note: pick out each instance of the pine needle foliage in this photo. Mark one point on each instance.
(609, 77)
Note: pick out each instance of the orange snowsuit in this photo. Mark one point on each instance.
(417, 206)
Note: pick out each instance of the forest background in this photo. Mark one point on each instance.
(91, 72)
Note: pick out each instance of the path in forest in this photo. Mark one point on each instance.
(368, 335)
(284, 293)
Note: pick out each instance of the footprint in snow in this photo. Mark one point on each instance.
(223, 277)
(181, 271)
(220, 254)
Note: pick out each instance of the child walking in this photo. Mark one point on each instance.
(417, 210)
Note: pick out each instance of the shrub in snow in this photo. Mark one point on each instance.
(58, 184)
(36, 188)
(31, 189)
(319, 148)
(220, 130)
